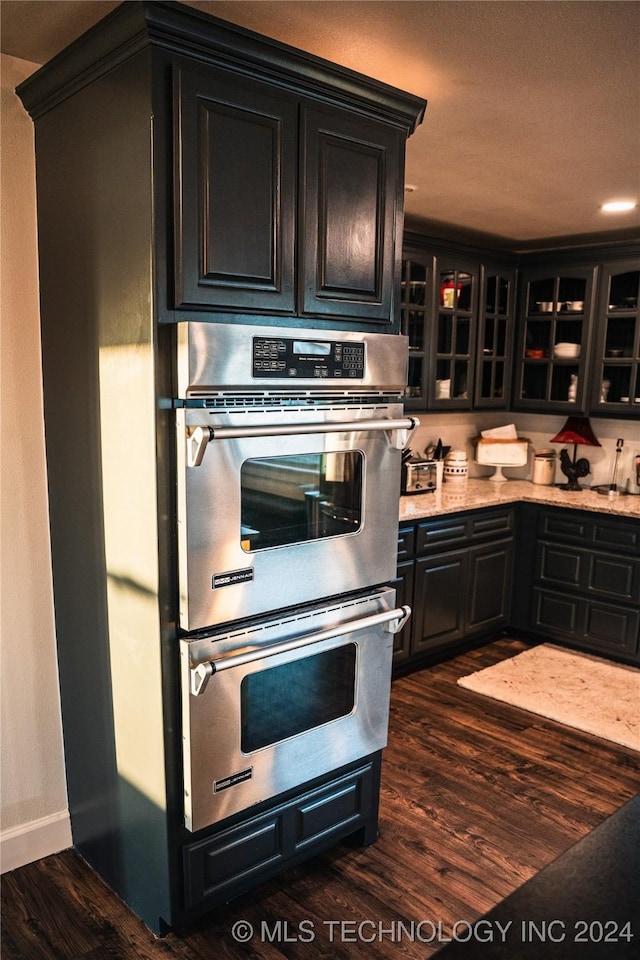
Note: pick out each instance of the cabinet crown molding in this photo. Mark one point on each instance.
(134, 26)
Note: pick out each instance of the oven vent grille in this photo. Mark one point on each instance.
(245, 401)
(252, 632)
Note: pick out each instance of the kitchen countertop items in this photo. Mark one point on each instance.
(477, 493)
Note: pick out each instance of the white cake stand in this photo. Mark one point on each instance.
(498, 476)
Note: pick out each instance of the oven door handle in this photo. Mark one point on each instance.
(393, 621)
(398, 433)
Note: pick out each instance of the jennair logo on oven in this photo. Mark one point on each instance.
(232, 780)
(231, 577)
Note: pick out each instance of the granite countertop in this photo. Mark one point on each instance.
(478, 493)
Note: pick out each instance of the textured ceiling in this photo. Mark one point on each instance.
(534, 105)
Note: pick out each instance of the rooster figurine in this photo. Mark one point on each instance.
(573, 469)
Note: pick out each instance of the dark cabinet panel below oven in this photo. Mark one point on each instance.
(243, 855)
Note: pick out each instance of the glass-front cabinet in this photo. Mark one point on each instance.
(453, 335)
(552, 356)
(494, 347)
(615, 382)
(458, 316)
(417, 281)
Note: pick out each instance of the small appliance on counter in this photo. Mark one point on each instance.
(423, 474)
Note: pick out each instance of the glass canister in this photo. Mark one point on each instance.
(544, 467)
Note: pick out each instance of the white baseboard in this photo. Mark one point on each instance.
(32, 841)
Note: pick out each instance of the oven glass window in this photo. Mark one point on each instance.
(287, 500)
(284, 701)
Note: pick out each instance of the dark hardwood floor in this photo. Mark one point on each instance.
(476, 798)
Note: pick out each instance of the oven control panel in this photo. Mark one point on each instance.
(293, 359)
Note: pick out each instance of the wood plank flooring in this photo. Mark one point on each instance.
(477, 797)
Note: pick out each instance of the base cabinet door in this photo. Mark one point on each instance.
(458, 585)
(253, 850)
(585, 569)
(438, 613)
(489, 586)
(589, 624)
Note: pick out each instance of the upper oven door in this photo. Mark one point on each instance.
(279, 507)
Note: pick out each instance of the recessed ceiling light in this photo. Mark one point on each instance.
(618, 206)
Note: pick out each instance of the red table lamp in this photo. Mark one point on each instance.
(577, 430)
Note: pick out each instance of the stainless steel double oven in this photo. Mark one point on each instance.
(289, 447)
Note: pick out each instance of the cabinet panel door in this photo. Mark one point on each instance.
(350, 209)
(236, 168)
(612, 629)
(489, 586)
(560, 566)
(403, 584)
(438, 616)
(615, 376)
(615, 577)
(556, 613)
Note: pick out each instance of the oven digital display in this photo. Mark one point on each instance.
(290, 359)
(311, 348)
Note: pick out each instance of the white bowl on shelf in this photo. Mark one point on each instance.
(566, 351)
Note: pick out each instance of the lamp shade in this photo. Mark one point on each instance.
(576, 430)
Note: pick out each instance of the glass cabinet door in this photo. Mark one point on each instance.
(453, 338)
(417, 279)
(494, 347)
(553, 343)
(616, 370)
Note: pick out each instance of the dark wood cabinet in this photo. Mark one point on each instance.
(615, 376)
(283, 205)
(252, 850)
(458, 312)
(577, 582)
(461, 580)
(586, 581)
(186, 169)
(351, 195)
(578, 346)
(439, 607)
(494, 343)
(235, 193)
(554, 339)
(489, 580)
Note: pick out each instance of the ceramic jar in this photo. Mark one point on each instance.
(456, 467)
(544, 467)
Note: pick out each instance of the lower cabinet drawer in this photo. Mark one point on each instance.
(593, 624)
(238, 858)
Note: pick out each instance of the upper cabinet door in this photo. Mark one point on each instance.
(615, 381)
(236, 169)
(554, 340)
(350, 210)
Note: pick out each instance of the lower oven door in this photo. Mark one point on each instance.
(275, 704)
(279, 507)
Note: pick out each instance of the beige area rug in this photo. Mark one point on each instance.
(577, 689)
